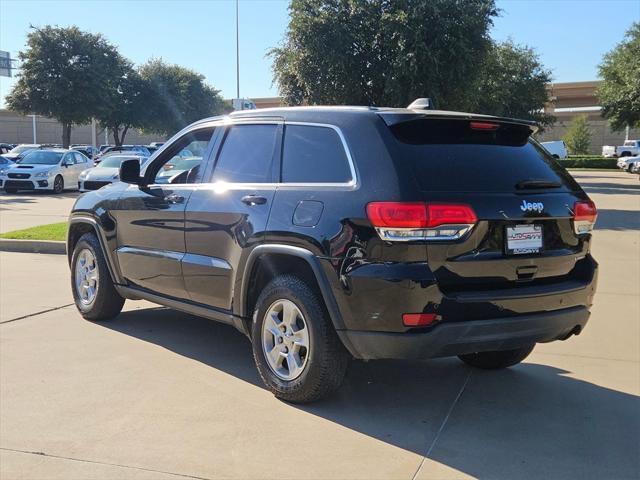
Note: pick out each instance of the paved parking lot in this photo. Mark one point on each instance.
(29, 209)
(157, 394)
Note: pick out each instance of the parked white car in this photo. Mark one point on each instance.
(627, 163)
(106, 172)
(631, 148)
(50, 169)
(557, 148)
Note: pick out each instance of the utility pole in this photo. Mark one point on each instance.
(237, 52)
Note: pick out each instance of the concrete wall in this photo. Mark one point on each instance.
(601, 133)
(16, 128)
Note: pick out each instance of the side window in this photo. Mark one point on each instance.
(79, 158)
(246, 155)
(313, 154)
(181, 162)
(67, 159)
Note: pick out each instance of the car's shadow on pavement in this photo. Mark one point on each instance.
(609, 219)
(611, 188)
(531, 421)
(31, 197)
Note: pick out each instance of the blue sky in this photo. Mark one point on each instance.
(570, 36)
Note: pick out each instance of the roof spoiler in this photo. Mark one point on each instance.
(394, 117)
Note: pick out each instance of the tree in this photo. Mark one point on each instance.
(175, 97)
(383, 52)
(619, 92)
(124, 107)
(514, 84)
(64, 75)
(578, 136)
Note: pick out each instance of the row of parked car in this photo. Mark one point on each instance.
(629, 164)
(14, 152)
(52, 168)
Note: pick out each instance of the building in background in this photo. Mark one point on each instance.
(579, 98)
(569, 100)
(15, 128)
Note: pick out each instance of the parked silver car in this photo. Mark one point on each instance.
(106, 172)
(47, 169)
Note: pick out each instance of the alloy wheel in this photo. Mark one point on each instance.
(86, 276)
(285, 339)
(58, 185)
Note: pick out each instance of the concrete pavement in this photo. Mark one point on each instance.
(159, 394)
(30, 209)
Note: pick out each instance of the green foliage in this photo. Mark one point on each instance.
(64, 74)
(174, 97)
(73, 76)
(578, 136)
(620, 90)
(514, 84)
(588, 161)
(124, 107)
(51, 231)
(383, 52)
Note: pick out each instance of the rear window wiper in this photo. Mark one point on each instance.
(533, 184)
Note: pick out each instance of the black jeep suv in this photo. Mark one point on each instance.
(326, 233)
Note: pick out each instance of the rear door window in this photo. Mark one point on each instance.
(447, 155)
(314, 154)
(246, 156)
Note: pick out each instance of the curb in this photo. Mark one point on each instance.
(33, 246)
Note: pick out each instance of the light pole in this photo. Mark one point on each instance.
(237, 52)
(94, 140)
(33, 123)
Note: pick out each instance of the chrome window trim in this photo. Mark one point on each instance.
(352, 168)
(229, 121)
(209, 122)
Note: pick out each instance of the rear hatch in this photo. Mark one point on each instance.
(524, 202)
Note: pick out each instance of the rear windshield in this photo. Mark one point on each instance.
(448, 155)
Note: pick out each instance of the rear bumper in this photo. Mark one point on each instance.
(457, 338)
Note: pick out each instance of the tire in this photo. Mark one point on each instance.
(498, 359)
(324, 361)
(58, 184)
(106, 303)
(10, 190)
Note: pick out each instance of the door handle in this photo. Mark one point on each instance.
(254, 200)
(174, 198)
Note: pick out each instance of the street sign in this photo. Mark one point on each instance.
(5, 64)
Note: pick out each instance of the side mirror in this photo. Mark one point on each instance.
(130, 172)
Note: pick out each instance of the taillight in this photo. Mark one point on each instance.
(419, 319)
(584, 216)
(407, 221)
(397, 214)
